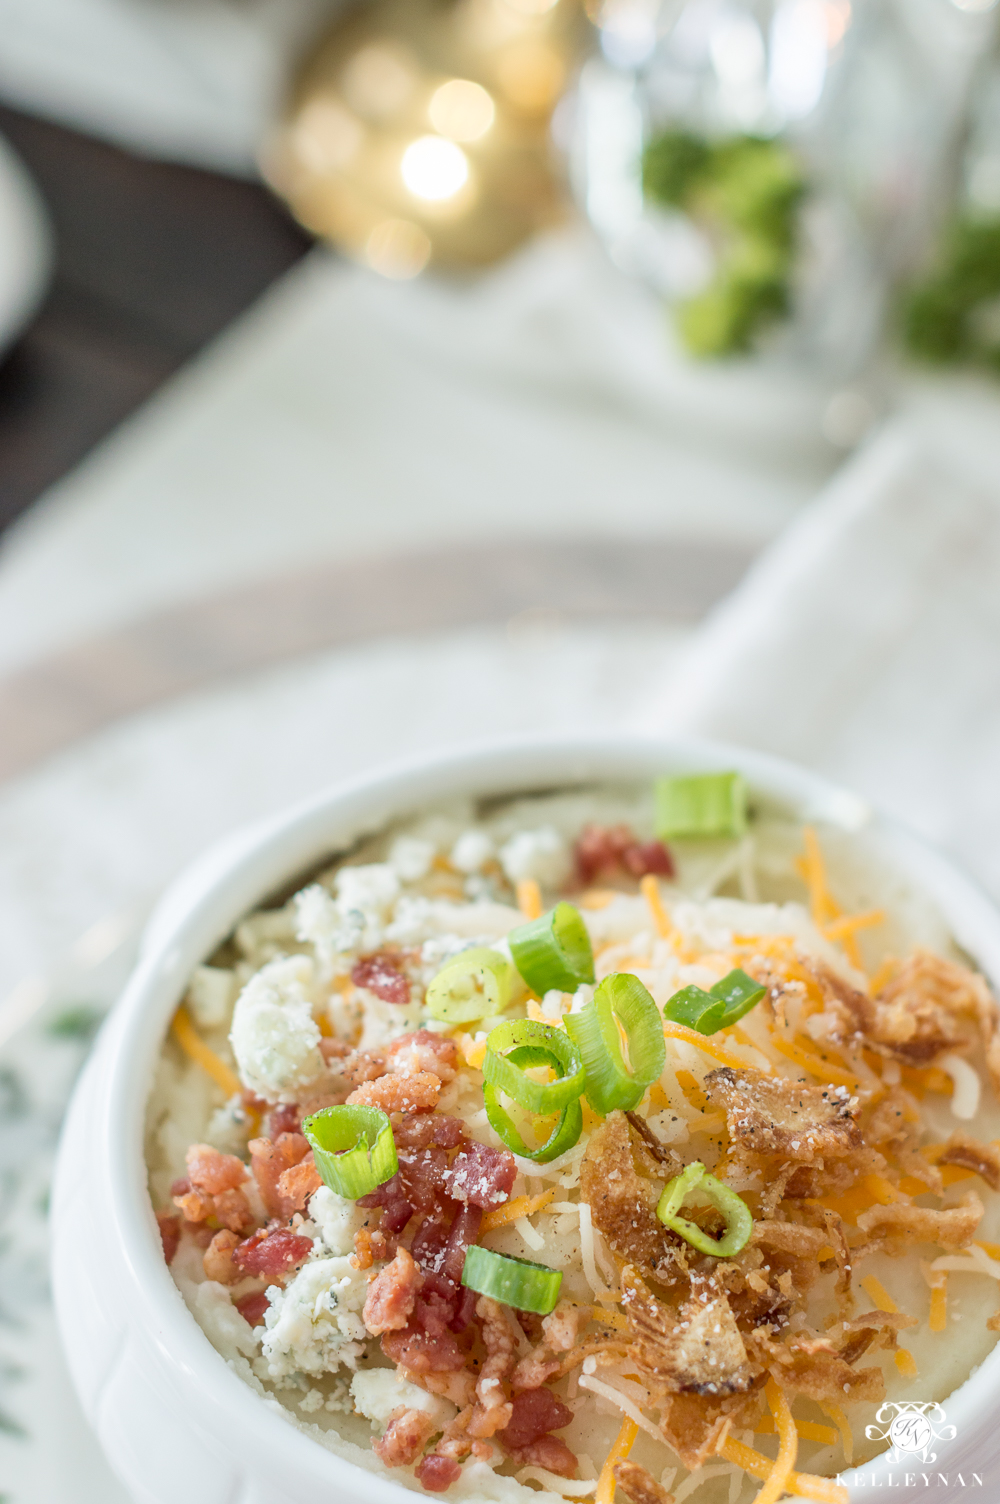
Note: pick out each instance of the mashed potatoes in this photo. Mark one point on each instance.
(852, 1110)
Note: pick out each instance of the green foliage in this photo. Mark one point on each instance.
(946, 320)
(744, 193)
(81, 1021)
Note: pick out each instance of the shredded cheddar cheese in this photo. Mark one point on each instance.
(816, 1065)
(195, 1047)
(938, 1318)
(620, 1449)
(529, 898)
(651, 893)
(905, 1363)
(703, 1043)
(804, 1485)
(879, 1295)
(840, 1420)
(813, 870)
(521, 1206)
(597, 898)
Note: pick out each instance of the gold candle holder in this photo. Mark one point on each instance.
(418, 131)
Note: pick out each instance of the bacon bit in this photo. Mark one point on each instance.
(270, 1254)
(423, 1130)
(481, 1175)
(463, 1233)
(296, 1185)
(269, 1161)
(382, 975)
(284, 1119)
(218, 1259)
(363, 1065)
(372, 1247)
(170, 1233)
(233, 1210)
(422, 1352)
(392, 1295)
(436, 1473)
(493, 1409)
(193, 1205)
(535, 1412)
(549, 1452)
(392, 1197)
(399, 1093)
(406, 1435)
(412, 1054)
(212, 1172)
(604, 851)
(253, 1308)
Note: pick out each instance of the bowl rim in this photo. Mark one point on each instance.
(210, 896)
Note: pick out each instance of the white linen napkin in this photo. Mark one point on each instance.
(866, 641)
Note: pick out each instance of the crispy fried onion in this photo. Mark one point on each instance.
(623, 1199)
(771, 1115)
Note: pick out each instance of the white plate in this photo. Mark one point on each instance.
(25, 246)
(88, 839)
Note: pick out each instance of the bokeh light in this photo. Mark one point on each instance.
(434, 168)
(462, 110)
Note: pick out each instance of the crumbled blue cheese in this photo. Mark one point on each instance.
(210, 996)
(229, 1128)
(336, 1220)
(410, 858)
(314, 1324)
(472, 850)
(351, 923)
(274, 1036)
(542, 854)
(268, 934)
(379, 1392)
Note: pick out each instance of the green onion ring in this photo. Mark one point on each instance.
(353, 1148)
(473, 984)
(563, 1136)
(513, 1282)
(502, 1070)
(719, 1007)
(553, 951)
(739, 1222)
(705, 804)
(621, 998)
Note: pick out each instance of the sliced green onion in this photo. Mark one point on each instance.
(739, 1222)
(551, 1046)
(563, 1136)
(553, 951)
(513, 1282)
(473, 984)
(719, 1007)
(707, 804)
(621, 1002)
(353, 1148)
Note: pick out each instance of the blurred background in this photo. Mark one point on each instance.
(379, 376)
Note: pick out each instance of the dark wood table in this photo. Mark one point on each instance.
(152, 260)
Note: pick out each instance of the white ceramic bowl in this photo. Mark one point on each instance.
(174, 1420)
